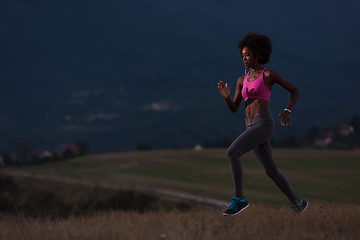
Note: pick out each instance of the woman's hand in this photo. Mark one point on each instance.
(285, 118)
(224, 90)
(225, 93)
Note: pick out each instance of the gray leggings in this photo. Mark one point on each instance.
(259, 130)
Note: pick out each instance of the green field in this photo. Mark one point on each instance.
(316, 175)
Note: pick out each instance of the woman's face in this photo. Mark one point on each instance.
(248, 57)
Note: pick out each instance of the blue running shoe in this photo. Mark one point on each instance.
(299, 208)
(237, 205)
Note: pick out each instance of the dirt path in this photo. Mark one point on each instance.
(158, 192)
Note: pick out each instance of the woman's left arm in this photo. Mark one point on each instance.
(285, 115)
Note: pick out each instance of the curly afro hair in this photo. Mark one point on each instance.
(259, 44)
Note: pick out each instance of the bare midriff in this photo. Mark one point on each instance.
(255, 106)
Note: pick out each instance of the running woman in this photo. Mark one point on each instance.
(255, 88)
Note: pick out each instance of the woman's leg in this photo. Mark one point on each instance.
(265, 156)
(254, 135)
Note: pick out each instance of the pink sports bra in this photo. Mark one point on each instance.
(256, 88)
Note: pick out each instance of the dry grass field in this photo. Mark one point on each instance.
(329, 180)
(328, 221)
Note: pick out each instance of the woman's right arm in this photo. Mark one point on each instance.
(225, 93)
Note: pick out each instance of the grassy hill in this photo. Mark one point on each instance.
(317, 175)
(329, 180)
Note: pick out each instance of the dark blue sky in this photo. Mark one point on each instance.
(63, 62)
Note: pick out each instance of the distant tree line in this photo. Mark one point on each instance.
(23, 154)
(346, 136)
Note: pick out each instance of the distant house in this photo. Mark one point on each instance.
(324, 139)
(44, 154)
(68, 149)
(198, 147)
(346, 130)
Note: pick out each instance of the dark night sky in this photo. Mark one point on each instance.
(110, 68)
